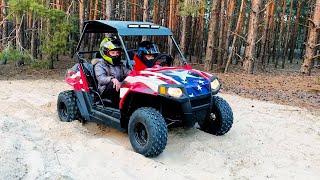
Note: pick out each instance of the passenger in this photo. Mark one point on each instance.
(109, 70)
(147, 51)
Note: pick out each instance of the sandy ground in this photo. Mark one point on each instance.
(267, 141)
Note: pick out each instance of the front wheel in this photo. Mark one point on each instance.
(148, 132)
(220, 120)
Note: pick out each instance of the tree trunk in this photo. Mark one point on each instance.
(125, 9)
(171, 23)
(261, 63)
(288, 27)
(95, 16)
(271, 32)
(237, 31)
(145, 10)
(114, 14)
(314, 26)
(184, 31)
(134, 10)
(287, 36)
(156, 12)
(188, 35)
(120, 10)
(5, 24)
(171, 10)
(155, 18)
(192, 37)
(221, 35)
(18, 31)
(293, 40)
(39, 40)
(96, 5)
(90, 9)
(281, 32)
(33, 39)
(1, 21)
(48, 38)
(59, 4)
(306, 28)
(251, 39)
(274, 48)
(65, 4)
(228, 32)
(103, 9)
(81, 15)
(211, 40)
(108, 10)
(199, 50)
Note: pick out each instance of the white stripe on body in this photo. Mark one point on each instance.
(123, 91)
(152, 81)
(160, 75)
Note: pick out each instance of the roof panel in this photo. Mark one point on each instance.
(104, 26)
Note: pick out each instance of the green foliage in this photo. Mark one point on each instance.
(56, 36)
(38, 9)
(42, 64)
(10, 54)
(193, 8)
(58, 41)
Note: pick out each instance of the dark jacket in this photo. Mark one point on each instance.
(105, 72)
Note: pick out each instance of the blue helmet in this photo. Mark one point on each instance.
(147, 48)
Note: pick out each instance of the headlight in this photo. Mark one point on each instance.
(174, 92)
(215, 84)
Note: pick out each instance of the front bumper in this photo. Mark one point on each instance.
(196, 109)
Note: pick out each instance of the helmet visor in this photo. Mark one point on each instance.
(152, 49)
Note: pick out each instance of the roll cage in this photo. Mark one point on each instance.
(124, 28)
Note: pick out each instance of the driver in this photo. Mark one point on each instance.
(110, 71)
(147, 51)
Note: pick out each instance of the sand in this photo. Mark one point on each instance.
(267, 141)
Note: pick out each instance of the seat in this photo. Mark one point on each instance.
(131, 54)
(93, 84)
(97, 55)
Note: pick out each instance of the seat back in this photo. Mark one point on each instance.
(90, 75)
(131, 54)
(93, 84)
(97, 55)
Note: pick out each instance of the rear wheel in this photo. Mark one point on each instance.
(67, 106)
(148, 132)
(220, 119)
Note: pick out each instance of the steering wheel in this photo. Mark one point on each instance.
(167, 62)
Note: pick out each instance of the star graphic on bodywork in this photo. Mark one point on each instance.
(181, 74)
(201, 82)
(199, 87)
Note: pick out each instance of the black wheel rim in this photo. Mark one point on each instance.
(215, 120)
(141, 134)
(63, 110)
(213, 117)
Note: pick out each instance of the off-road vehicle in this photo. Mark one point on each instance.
(150, 100)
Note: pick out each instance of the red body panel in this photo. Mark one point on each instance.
(77, 80)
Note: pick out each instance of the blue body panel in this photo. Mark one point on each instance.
(194, 83)
(121, 27)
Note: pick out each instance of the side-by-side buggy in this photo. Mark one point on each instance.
(150, 100)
